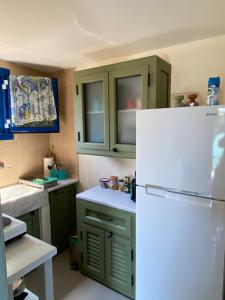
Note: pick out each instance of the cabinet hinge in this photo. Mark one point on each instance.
(132, 280)
(82, 257)
(132, 255)
(81, 236)
(149, 79)
(77, 91)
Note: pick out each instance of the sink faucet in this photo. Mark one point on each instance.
(4, 166)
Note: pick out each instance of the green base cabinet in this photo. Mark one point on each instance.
(107, 245)
(62, 212)
(32, 220)
(107, 98)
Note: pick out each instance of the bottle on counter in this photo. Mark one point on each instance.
(213, 91)
(126, 184)
(133, 189)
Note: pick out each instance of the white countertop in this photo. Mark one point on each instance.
(109, 197)
(25, 254)
(62, 183)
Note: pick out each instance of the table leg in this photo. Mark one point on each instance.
(46, 278)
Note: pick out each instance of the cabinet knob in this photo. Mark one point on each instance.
(115, 150)
(109, 235)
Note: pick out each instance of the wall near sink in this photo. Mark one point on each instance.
(25, 153)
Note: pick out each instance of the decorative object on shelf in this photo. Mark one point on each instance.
(186, 99)
(192, 100)
(179, 101)
(213, 91)
(104, 183)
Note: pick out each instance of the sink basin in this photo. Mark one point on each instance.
(19, 199)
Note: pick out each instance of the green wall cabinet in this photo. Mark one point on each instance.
(32, 220)
(62, 211)
(107, 245)
(106, 100)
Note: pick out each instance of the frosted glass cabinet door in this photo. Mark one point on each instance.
(128, 92)
(92, 97)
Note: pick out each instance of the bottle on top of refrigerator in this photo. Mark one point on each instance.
(213, 91)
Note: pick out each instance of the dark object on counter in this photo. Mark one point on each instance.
(133, 189)
(104, 183)
(21, 296)
(126, 184)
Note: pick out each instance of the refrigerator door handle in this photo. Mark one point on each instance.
(177, 191)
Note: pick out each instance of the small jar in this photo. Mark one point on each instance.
(121, 185)
(104, 183)
(114, 183)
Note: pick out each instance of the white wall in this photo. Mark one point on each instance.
(192, 64)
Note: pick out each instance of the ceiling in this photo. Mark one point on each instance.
(76, 33)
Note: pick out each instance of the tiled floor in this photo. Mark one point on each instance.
(72, 285)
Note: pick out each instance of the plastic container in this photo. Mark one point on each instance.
(104, 183)
(213, 91)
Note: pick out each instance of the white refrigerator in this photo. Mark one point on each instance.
(180, 217)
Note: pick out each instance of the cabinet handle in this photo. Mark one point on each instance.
(78, 136)
(104, 218)
(115, 150)
(109, 235)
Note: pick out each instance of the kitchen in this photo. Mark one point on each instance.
(194, 56)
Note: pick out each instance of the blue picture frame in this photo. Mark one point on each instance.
(5, 133)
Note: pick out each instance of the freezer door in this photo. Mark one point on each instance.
(182, 148)
(180, 244)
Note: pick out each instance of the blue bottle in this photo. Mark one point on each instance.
(213, 91)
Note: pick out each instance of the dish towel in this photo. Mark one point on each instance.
(32, 99)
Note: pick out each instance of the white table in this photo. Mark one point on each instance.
(26, 254)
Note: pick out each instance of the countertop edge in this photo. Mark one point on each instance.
(110, 204)
(60, 185)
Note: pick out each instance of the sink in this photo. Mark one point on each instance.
(19, 199)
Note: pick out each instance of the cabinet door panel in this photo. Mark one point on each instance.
(62, 212)
(118, 263)
(128, 92)
(93, 253)
(92, 112)
(32, 221)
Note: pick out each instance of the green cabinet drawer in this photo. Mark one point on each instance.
(105, 217)
(32, 220)
(62, 212)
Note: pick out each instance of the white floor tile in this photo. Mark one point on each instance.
(72, 285)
